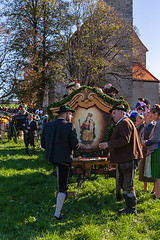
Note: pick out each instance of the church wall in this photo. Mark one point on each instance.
(146, 89)
(139, 55)
(124, 85)
(124, 7)
(139, 50)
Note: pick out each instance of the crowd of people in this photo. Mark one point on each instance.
(23, 109)
(134, 144)
(32, 121)
(33, 127)
(147, 122)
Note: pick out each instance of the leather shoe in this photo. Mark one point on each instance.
(127, 211)
(59, 218)
(154, 196)
(119, 197)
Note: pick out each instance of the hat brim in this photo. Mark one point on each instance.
(113, 89)
(121, 109)
(70, 85)
(60, 111)
(140, 108)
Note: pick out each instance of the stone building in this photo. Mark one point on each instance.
(142, 83)
(139, 81)
(124, 7)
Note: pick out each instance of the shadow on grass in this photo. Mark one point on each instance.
(15, 158)
(27, 207)
(27, 202)
(13, 150)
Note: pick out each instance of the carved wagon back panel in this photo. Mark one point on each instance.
(91, 118)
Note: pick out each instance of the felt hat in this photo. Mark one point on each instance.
(113, 89)
(147, 102)
(65, 108)
(118, 107)
(108, 88)
(72, 84)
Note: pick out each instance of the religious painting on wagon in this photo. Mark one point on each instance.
(91, 118)
(91, 126)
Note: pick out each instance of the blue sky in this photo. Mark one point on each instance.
(146, 17)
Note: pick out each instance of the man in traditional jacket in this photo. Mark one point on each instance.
(71, 87)
(59, 139)
(125, 150)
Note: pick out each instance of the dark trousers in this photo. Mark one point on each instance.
(126, 176)
(31, 141)
(63, 170)
(126, 181)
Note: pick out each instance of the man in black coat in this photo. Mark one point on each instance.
(59, 139)
(30, 133)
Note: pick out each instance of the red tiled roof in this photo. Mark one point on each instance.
(140, 73)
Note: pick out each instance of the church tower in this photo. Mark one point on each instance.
(124, 85)
(124, 7)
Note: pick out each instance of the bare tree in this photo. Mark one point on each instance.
(101, 44)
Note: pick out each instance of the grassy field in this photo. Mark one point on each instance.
(27, 204)
(9, 105)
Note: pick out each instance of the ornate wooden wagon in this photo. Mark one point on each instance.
(93, 125)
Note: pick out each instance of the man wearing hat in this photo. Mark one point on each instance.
(30, 133)
(147, 105)
(71, 87)
(59, 139)
(125, 150)
(110, 90)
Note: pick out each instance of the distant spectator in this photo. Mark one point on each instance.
(139, 123)
(36, 116)
(22, 104)
(133, 115)
(147, 105)
(140, 110)
(22, 110)
(140, 102)
(30, 133)
(153, 150)
(110, 90)
(145, 135)
(71, 87)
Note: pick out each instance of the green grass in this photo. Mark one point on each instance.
(27, 204)
(9, 105)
